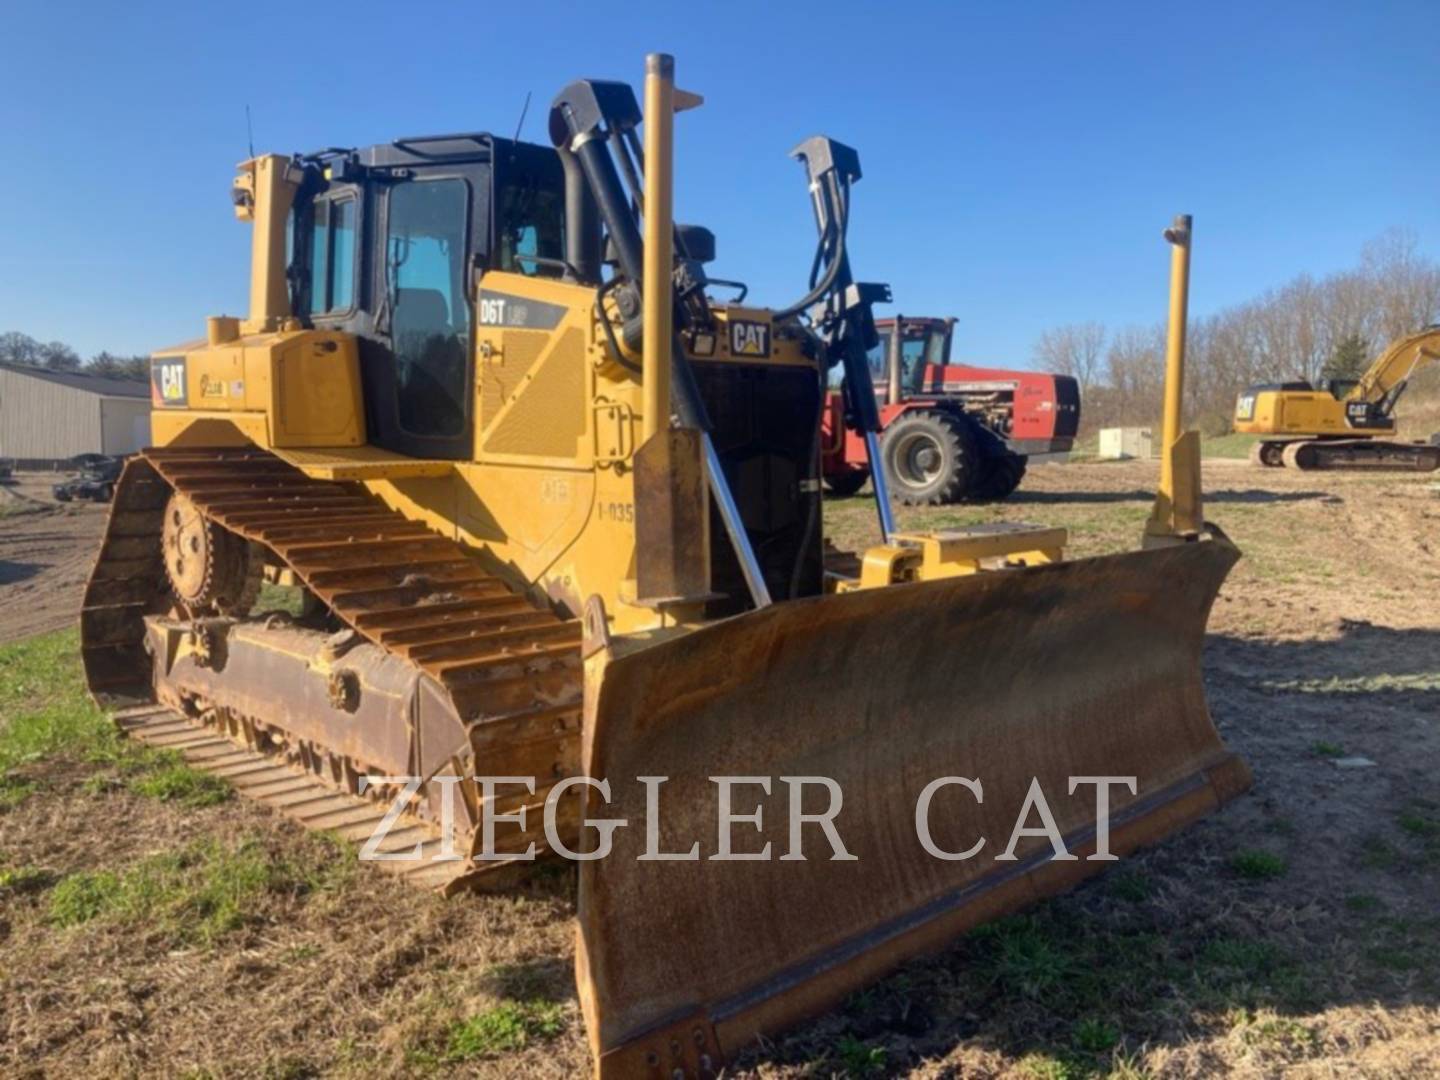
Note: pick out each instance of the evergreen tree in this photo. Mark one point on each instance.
(1349, 360)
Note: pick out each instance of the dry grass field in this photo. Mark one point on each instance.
(152, 925)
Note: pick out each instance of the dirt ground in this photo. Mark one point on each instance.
(46, 551)
(1295, 933)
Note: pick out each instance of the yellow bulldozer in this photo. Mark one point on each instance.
(550, 515)
(1344, 424)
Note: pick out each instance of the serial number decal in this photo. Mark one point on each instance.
(555, 489)
(617, 511)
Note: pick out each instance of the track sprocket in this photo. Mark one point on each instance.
(209, 568)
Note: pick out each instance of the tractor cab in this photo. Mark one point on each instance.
(909, 356)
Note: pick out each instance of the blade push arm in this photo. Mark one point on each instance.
(842, 308)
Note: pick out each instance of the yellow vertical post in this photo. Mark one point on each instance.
(1179, 236)
(1177, 512)
(659, 212)
(269, 190)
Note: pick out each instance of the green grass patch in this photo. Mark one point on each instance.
(1270, 1031)
(509, 1026)
(1377, 853)
(177, 782)
(1091, 977)
(1362, 903)
(1026, 959)
(14, 790)
(195, 895)
(1407, 946)
(1056, 1066)
(1096, 1036)
(1253, 865)
(287, 598)
(1129, 884)
(1233, 445)
(1419, 822)
(44, 708)
(46, 712)
(1327, 749)
(860, 1058)
(1245, 956)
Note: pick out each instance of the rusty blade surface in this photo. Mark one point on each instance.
(1088, 668)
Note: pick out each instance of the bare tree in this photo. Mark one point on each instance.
(18, 348)
(58, 356)
(1076, 350)
(1287, 333)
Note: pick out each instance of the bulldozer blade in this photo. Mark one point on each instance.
(1088, 668)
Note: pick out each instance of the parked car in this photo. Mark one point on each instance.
(95, 479)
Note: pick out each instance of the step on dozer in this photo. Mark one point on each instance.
(506, 526)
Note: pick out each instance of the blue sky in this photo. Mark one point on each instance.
(1020, 159)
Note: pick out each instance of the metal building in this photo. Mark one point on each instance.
(50, 416)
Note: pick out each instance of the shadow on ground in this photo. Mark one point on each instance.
(11, 572)
(1228, 495)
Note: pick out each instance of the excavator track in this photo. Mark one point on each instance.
(1360, 454)
(508, 671)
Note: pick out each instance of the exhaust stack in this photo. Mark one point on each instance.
(657, 291)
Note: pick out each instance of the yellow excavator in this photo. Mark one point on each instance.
(1344, 424)
(546, 515)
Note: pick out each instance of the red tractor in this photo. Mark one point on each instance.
(951, 433)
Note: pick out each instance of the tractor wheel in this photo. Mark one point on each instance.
(847, 483)
(930, 457)
(999, 478)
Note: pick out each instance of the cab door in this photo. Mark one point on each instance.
(417, 363)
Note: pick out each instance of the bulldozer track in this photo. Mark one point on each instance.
(512, 669)
(293, 792)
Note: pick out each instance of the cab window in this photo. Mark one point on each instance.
(429, 315)
(876, 358)
(332, 255)
(531, 223)
(918, 353)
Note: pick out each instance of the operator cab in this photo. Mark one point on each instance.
(386, 242)
(923, 343)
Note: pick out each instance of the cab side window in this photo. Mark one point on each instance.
(876, 358)
(332, 255)
(531, 223)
